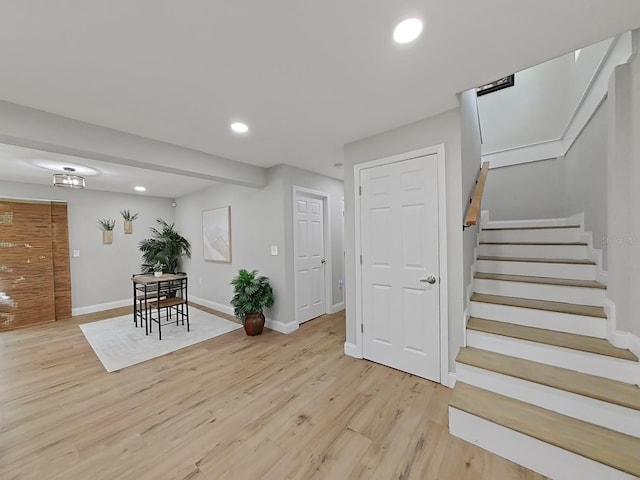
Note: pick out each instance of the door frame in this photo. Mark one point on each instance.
(328, 272)
(437, 150)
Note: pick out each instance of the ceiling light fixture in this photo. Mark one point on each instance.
(139, 189)
(407, 30)
(239, 127)
(68, 179)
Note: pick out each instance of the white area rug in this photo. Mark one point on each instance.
(119, 344)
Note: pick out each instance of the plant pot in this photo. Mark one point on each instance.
(253, 324)
(157, 274)
(107, 236)
(128, 227)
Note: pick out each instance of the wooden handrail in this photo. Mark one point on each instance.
(476, 199)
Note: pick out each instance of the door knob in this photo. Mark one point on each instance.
(430, 280)
(322, 261)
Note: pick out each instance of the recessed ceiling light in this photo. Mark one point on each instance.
(407, 30)
(239, 127)
(139, 189)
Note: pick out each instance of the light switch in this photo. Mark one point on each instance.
(76, 253)
(274, 250)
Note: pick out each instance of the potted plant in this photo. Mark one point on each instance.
(107, 225)
(251, 294)
(166, 246)
(128, 220)
(157, 269)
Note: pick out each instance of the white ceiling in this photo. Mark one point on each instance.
(306, 76)
(26, 165)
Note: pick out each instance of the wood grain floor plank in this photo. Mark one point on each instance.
(237, 407)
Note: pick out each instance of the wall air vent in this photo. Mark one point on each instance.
(504, 82)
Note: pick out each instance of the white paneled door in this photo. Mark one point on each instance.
(309, 258)
(400, 266)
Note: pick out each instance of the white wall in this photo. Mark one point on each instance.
(528, 190)
(622, 252)
(102, 273)
(440, 129)
(558, 188)
(542, 102)
(471, 157)
(584, 179)
(624, 194)
(260, 218)
(634, 201)
(256, 224)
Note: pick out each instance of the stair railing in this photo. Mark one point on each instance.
(475, 201)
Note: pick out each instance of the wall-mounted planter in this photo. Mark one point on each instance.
(107, 236)
(128, 218)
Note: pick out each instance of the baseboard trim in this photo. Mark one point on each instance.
(281, 327)
(100, 307)
(452, 379)
(352, 350)
(524, 154)
(337, 307)
(211, 304)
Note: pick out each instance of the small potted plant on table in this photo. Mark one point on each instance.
(157, 269)
(251, 294)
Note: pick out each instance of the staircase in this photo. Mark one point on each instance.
(538, 383)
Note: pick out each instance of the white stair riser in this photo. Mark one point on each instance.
(535, 269)
(588, 409)
(534, 251)
(544, 458)
(538, 291)
(528, 317)
(600, 365)
(533, 235)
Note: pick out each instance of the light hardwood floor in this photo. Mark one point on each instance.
(234, 407)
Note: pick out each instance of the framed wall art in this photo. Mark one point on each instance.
(216, 234)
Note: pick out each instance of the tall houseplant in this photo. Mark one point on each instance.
(166, 246)
(251, 294)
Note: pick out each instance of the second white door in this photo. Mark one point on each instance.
(309, 258)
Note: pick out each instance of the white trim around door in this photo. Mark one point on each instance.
(357, 349)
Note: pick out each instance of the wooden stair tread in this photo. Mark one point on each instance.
(544, 244)
(567, 282)
(544, 227)
(599, 388)
(560, 307)
(572, 261)
(617, 450)
(572, 341)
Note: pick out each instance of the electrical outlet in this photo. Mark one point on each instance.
(76, 253)
(274, 250)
